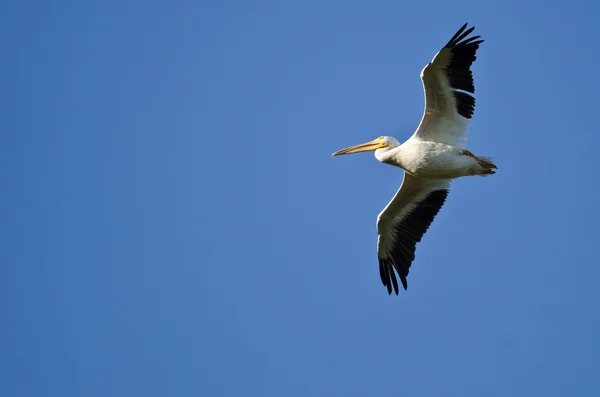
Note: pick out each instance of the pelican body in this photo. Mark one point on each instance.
(433, 156)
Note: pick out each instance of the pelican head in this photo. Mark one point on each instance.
(383, 142)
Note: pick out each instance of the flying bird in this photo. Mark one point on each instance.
(433, 156)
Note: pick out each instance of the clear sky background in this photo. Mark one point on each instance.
(173, 223)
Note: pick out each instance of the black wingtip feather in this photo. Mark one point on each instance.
(404, 283)
(388, 277)
(456, 34)
(470, 39)
(385, 277)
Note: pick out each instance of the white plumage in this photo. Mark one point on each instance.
(433, 156)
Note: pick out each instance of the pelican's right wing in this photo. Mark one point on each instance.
(402, 224)
(448, 85)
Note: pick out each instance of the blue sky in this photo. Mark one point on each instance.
(175, 225)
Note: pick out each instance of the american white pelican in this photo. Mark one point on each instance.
(433, 156)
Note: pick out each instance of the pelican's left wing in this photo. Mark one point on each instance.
(449, 89)
(402, 224)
